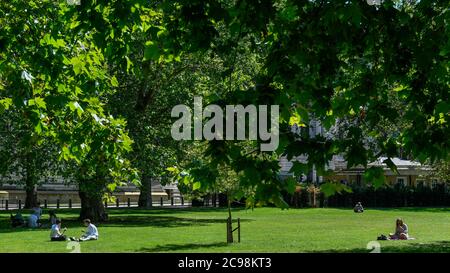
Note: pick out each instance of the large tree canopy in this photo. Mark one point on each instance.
(322, 60)
(331, 60)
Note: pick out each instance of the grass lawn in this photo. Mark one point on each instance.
(263, 230)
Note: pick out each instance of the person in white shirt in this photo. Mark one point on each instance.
(401, 231)
(91, 231)
(56, 234)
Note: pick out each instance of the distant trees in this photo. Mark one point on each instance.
(440, 171)
(26, 158)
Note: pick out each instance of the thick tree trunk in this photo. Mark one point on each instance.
(145, 198)
(91, 203)
(92, 208)
(31, 197)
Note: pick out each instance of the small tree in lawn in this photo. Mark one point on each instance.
(313, 191)
(226, 181)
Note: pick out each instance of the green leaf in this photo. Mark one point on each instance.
(75, 106)
(196, 186)
(77, 65)
(280, 202)
(399, 88)
(391, 166)
(151, 51)
(299, 168)
(38, 128)
(5, 104)
(291, 184)
(129, 64)
(442, 107)
(330, 188)
(39, 102)
(289, 13)
(171, 169)
(375, 176)
(114, 81)
(74, 24)
(111, 187)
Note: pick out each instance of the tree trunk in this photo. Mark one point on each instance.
(145, 198)
(92, 208)
(30, 184)
(91, 203)
(31, 197)
(229, 222)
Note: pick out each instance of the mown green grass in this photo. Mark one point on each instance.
(263, 230)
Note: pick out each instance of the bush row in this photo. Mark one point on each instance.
(388, 196)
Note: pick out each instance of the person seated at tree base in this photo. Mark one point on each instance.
(17, 220)
(33, 221)
(56, 234)
(401, 231)
(358, 208)
(90, 234)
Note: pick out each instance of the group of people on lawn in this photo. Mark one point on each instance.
(33, 221)
(56, 232)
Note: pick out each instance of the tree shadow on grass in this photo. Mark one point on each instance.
(174, 210)
(162, 221)
(128, 221)
(432, 247)
(179, 247)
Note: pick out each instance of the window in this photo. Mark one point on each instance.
(358, 180)
(420, 183)
(410, 182)
(401, 181)
(434, 183)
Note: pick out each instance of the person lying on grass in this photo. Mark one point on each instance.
(90, 234)
(401, 231)
(55, 233)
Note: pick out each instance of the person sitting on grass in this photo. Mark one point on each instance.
(358, 208)
(55, 233)
(33, 221)
(52, 217)
(17, 220)
(90, 234)
(401, 231)
(37, 210)
(51, 220)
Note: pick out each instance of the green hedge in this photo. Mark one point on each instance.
(388, 196)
